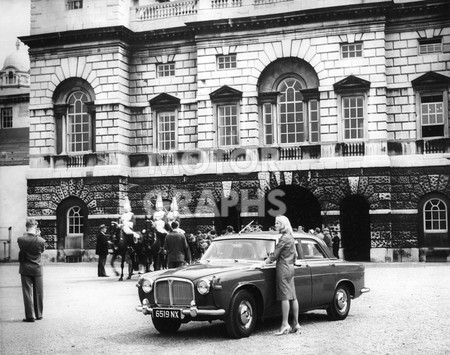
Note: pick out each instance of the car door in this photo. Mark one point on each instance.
(323, 272)
(303, 280)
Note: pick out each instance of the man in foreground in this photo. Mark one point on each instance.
(31, 246)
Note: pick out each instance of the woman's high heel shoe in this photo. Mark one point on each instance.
(296, 329)
(284, 330)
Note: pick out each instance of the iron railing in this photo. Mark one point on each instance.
(6, 244)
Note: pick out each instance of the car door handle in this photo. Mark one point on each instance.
(298, 264)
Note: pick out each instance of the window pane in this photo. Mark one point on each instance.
(435, 216)
(351, 50)
(165, 69)
(353, 115)
(74, 4)
(166, 130)
(430, 45)
(7, 118)
(268, 123)
(226, 61)
(227, 125)
(75, 220)
(432, 115)
(78, 123)
(291, 112)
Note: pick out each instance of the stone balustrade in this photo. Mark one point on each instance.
(261, 154)
(166, 9)
(191, 7)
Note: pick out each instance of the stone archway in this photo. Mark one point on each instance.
(295, 202)
(229, 216)
(355, 228)
(63, 232)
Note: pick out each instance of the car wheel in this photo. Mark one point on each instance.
(241, 319)
(166, 326)
(340, 305)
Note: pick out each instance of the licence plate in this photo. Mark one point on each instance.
(167, 313)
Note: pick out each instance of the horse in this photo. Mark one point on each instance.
(146, 256)
(156, 240)
(143, 257)
(122, 246)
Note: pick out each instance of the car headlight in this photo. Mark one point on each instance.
(203, 286)
(147, 285)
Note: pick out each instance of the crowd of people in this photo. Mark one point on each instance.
(179, 247)
(331, 238)
(197, 243)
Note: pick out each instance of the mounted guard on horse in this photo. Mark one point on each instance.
(125, 241)
(156, 231)
(144, 248)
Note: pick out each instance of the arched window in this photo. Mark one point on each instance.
(11, 78)
(78, 123)
(74, 117)
(289, 103)
(75, 228)
(435, 216)
(292, 120)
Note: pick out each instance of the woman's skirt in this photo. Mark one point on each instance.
(285, 282)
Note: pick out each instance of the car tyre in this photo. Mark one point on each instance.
(166, 326)
(340, 305)
(242, 316)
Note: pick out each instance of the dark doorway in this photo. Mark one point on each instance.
(355, 228)
(72, 228)
(296, 203)
(229, 216)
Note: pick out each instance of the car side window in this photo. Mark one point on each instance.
(311, 250)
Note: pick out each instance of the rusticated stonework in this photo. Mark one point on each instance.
(384, 190)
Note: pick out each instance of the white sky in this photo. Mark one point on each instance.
(14, 22)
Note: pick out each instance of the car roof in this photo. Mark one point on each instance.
(270, 235)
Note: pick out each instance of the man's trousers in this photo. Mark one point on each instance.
(33, 295)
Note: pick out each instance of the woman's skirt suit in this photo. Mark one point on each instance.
(285, 255)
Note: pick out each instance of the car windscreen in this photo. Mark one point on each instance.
(239, 249)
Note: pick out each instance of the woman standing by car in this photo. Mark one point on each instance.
(285, 255)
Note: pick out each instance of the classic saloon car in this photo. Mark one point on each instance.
(232, 283)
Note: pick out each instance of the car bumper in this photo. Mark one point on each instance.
(192, 311)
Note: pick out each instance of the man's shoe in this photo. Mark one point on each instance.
(29, 320)
(38, 318)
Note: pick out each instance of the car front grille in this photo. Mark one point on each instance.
(174, 292)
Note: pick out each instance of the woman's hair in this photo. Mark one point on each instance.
(285, 224)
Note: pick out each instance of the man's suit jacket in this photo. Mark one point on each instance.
(32, 247)
(176, 246)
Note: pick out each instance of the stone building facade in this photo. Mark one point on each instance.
(335, 114)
